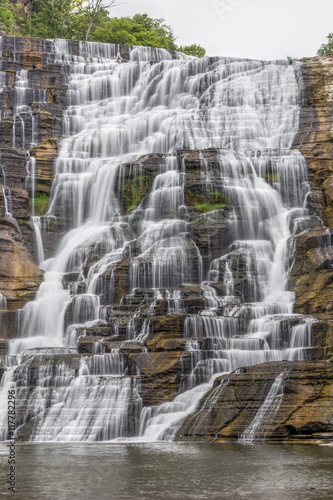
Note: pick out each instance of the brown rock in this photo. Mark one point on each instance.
(231, 406)
(19, 276)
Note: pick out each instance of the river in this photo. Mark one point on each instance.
(163, 471)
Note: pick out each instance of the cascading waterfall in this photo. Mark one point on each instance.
(159, 102)
(266, 412)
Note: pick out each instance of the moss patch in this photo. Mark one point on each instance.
(135, 190)
(273, 177)
(41, 202)
(206, 202)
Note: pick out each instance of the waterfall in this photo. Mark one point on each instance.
(164, 105)
(266, 412)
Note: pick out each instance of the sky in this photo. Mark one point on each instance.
(257, 29)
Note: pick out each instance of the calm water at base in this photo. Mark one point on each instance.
(170, 471)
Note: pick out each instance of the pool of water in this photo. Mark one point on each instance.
(169, 471)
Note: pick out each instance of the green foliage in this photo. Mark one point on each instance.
(206, 202)
(137, 30)
(193, 50)
(90, 20)
(326, 48)
(209, 207)
(273, 177)
(134, 191)
(40, 203)
(7, 17)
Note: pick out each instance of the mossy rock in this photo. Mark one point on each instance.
(135, 190)
(207, 201)
(40, 203)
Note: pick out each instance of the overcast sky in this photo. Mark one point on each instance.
(259, 29)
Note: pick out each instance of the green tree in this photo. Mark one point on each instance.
(90, 20)
(72, 19)
(90, 12)
(51, 19)
(137, 30)
(7, 17)
(326, 48)
(193, 50)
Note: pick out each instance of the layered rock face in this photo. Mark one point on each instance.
(174, 209)
(32, 100)
(312, 272)
(273, 401)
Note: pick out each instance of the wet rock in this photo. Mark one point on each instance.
(232, 404)
(19, 275)
(45, 155)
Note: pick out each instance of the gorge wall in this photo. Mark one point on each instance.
(164, 331)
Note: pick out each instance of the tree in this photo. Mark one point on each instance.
(326, 48)
(193, 50)
(137, 30)
(90, 20)
(90, 12)
(7, 17)
(52, 19)
(71, 19)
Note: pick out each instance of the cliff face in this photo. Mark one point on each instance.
(304, 412)
(312, 274)
(30, 117)
(35, 94)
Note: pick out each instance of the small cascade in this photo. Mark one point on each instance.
(161, 422)
(7, 201)
(6, 193)
(30, 182)
(156, 146)
(7, 384)
(38, 242)
(3, 303)
(266, 413)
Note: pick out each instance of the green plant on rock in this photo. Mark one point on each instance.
(135, 190)
(40, 203)
(273, 177)
(207, 201)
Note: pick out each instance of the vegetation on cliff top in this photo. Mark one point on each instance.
(326, 48)
(88, 20)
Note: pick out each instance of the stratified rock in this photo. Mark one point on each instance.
(229, 409)
(19, 275)
(45, 155)
(311, 273)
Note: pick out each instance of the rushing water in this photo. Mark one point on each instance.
(249, 111)
(171, 471)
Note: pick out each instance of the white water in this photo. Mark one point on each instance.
(266, 412)
(119, 112)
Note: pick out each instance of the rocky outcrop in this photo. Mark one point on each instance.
(31, 102)
(311, 273)
(304, 412)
